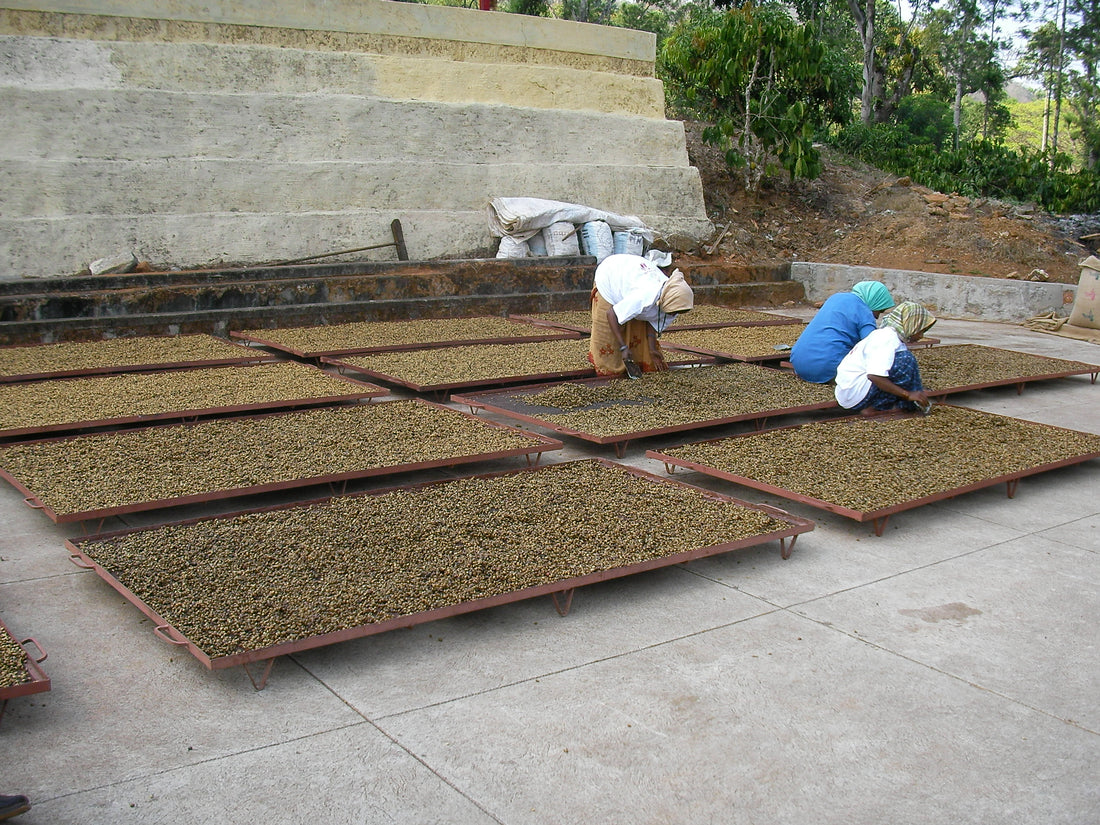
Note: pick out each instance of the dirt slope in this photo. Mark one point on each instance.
(855, 214)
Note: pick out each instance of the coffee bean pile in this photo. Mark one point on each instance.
(963, 365)
(744, 342)
(700, 314)
(676, 397)
(363, 335)
(706, 314)
(119, 352)
(867, 464)
(95, 472)
(248, 582)
(571, 318)
(103, 397)
(483, 362)
(13, 669)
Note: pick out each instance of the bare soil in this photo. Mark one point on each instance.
(859, 215)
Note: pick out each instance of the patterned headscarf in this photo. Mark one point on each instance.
(874, 294)
(908, 319)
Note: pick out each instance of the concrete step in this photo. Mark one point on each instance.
(703, 274)
(221, 321)
(753, 294)
(216, 153)
(220, 301)
(241, 69)
(146, 125)
(55, 190)
(142, 293)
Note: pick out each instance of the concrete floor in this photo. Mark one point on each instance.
(946, 672)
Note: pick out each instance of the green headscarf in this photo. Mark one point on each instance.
(874, 294)
(908, 319)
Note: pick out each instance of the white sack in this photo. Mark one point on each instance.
(512, 248)
(523, 217)
(560, 240)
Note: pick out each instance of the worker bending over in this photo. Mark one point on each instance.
(633, 302)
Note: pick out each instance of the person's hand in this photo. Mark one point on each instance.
(632, 369)
(919, 398)
(659, 362)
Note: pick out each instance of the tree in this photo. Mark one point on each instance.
(656, 17)
(533, 8)
(588, 11)
(957, 33)
(1040, 61)
(764, 81)
(1083, 39)
(889, 58)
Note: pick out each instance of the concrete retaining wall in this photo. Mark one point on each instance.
(961, 297)
(194, 133)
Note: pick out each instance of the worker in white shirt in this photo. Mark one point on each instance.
(633, 302)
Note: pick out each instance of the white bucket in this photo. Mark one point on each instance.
(596, 239)
(561, 240)
(629, 241)
(537, 245)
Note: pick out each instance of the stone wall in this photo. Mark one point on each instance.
(198, 133)
(965, 297)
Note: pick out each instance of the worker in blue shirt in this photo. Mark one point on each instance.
(844, 320)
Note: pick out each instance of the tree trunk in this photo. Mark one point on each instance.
(1046, 122)
(865, 24)
(1058, 90)
(957, 114)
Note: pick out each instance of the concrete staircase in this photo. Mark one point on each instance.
(218, 133)
(221, 301)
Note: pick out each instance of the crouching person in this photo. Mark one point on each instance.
(880, 374)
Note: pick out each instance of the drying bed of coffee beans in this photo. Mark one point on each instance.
(13, 659)
(368, 335)
(706, 314)
(967, 365)
(571, 319)
(700, 314)
(474, 363)
(870, 464)
(155, 464)
(119, 353)
(620, 407)
(71, 401)
(738, 342)
(250, 581)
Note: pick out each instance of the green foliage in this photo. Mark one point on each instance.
(533, 8)
(763, 80)
(977, 168)
(586, 11)
(925, 118)
(1026, 131)
(1027, 128)
(643, 17)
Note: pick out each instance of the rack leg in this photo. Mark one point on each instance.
(262, 682)
(563, 601)
(786, 547)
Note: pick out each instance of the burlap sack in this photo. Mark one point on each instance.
(1086, 306)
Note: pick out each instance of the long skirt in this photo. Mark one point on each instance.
(906, 374)
(603, 347)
